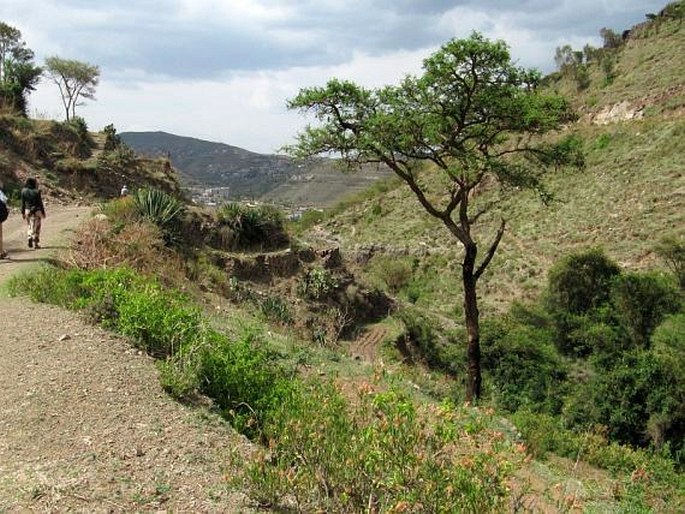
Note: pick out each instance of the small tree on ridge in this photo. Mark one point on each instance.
(74, 79)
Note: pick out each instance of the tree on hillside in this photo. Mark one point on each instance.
(18, 74)
(473, 115)
(75, 79)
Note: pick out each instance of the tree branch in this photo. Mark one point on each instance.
(491, 251)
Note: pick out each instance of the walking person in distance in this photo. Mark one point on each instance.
(33, 211)
(4, 213)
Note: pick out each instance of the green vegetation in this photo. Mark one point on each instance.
(18, 74)
(583, 328)
(162, 209)
(249, 227)
(606, 320)
(393, 452)
(437, 120)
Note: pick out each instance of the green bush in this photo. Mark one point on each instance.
(578, 285)
(382, 455)
(640, 302)
(580, 282)
(672, 251)
(254, 227)
(544, 433)
(317, 284)
(624, 398)
(246, 382)
(158, 321)
(524, 366)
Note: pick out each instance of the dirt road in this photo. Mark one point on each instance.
(84, 423)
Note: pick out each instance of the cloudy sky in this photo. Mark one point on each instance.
(222, 70)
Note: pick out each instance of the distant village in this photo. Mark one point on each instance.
(217, 196)
(210, 196)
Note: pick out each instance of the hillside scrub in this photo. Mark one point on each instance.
(393, 453)
(589, 353)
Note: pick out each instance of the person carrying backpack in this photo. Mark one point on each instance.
(33, 211)
(4, 213)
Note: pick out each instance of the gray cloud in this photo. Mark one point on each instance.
(178, 39)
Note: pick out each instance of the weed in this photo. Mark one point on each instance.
(276, 309)
(317, 284)
(384, 455)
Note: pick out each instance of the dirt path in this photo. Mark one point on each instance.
(84, 423)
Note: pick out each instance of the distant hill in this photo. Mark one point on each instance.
(252, 175)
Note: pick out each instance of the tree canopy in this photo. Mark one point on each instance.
(472, 115)
(76, 80)
(18, 74)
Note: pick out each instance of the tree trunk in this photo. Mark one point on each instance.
(473, 384)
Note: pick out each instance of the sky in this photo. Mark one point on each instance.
(222, 70)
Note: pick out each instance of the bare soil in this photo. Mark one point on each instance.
(84, 423)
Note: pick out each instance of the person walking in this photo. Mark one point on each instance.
(33, 211)
(4, 213)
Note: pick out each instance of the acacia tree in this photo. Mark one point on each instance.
(75, 79)
(18, 74)
(472, 115)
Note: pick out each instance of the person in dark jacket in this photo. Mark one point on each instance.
(4, 212)
(33, 211)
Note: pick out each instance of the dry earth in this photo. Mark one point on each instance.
(84, 423)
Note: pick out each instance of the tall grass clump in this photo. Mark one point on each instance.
(262, 226)
(162, 209)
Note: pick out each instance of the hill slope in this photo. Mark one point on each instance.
(630, 196)
(71, 163)
(251, 175)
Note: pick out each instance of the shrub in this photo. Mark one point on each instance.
(112, 139)
(673, 252)
(524, 366)
(578, 286)
(317, 284)
(78, 127)
(245, 381)
(580, 282)
(158, 321)
(383, 455)
(163, 210)
(637, 388)
(640, 302)
(262, 226)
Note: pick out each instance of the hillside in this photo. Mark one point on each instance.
(71, 163)
(630, 195)
(249, 175)
(334, 345)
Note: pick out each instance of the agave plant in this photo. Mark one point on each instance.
(253, 226)
(163, 210)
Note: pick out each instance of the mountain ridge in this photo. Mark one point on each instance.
(251, 175)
